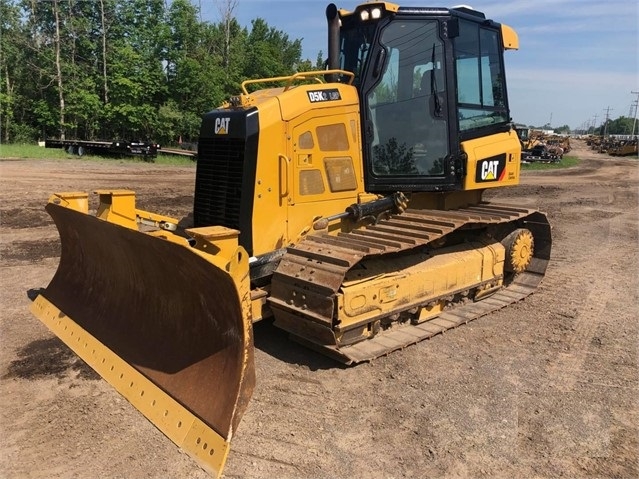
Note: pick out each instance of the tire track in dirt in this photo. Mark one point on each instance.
(281, 420)
(591, 314)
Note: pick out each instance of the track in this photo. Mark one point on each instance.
(311, 273)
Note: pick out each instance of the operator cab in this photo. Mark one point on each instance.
(428, 79)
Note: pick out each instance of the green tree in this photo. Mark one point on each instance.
(137, 80)
(195, 74)
(270, 52)
(562, 130)
(129, 69)
(620, 126)
(12, 58)
(392, 158)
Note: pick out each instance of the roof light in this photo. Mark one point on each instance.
(375, 10)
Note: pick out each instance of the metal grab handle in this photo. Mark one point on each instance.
(283, 166)
(298, 76)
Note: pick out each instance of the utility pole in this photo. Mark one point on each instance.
(634, 122)
(607, 110)
(636, 102)
(594, 123)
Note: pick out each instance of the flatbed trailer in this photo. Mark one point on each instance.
(110, 148)
(539, 155)
(179, 152)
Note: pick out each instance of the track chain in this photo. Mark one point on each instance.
(311, 273)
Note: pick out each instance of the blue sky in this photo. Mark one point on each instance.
(577, 58)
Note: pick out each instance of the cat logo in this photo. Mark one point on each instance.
(491, 169)
(222, 126)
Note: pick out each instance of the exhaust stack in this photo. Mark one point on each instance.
(332, 17)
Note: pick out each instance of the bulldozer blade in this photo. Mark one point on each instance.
(165, 324)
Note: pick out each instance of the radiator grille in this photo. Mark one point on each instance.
(218, 184)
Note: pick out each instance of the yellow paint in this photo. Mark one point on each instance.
(75, 200)
(302, 162)
(215, 240)
(175, 421)
(216, 245)
(382, 288)
(117, 206)
(487, 147)
(510, 38)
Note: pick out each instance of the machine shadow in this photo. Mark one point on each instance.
(48, 358)
(276, 342)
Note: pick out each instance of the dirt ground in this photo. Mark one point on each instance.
(546, 388)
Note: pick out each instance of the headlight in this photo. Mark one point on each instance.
(375, 10)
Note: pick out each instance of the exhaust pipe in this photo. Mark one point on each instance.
(332, 17)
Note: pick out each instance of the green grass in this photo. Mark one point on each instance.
(27, 151)
(175, 160)
(39, 152)
(566, 162)
(31, 151)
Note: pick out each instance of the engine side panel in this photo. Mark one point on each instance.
(493, 161)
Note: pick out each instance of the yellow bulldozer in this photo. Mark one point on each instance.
(344, 204)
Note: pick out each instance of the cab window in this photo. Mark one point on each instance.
(481, 89)
(406, 107)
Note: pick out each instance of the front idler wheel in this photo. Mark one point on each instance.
(519, 246)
